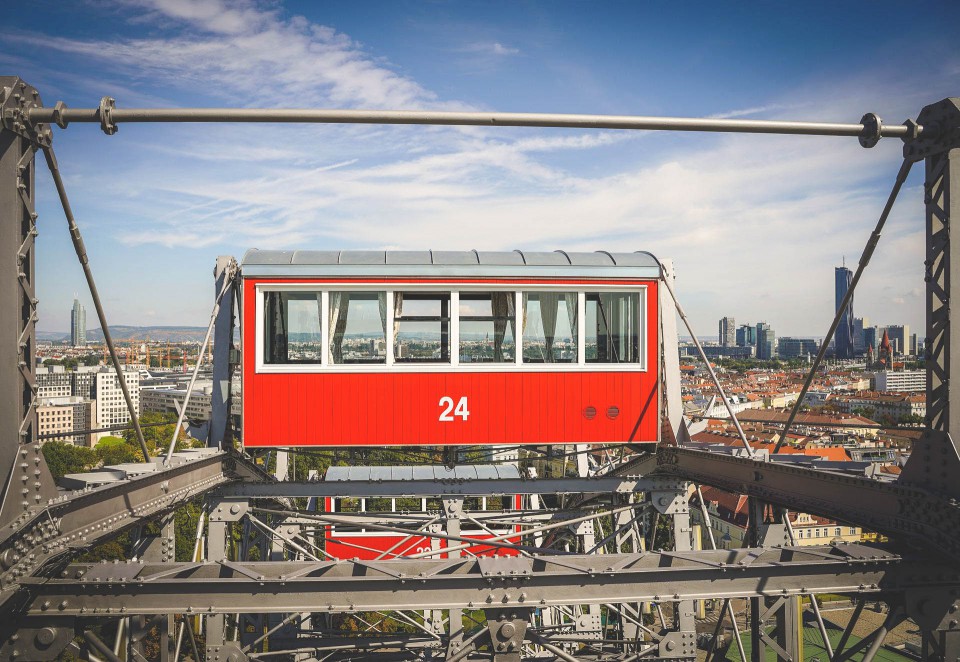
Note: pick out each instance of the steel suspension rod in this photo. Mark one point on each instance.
(227, 284)
(81, 251)
(109, 116)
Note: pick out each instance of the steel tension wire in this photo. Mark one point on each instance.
(861, 266)
(81, 251)
(227, 283)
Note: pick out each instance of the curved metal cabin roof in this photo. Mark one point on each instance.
(421, 472)
(522, 264)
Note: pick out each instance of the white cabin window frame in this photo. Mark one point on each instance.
(454, 288)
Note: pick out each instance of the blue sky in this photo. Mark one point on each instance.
(755, 224)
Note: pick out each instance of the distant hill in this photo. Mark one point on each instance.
(122, 332)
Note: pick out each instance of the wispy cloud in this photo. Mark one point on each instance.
(747, 112)
(490, 48)
(754, 224)
(237, 50)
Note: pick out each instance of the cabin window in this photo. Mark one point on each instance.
(347, 505)
(292, 328)
(421, 327)
(550, 327)
(379, 505)
(358, 327)
(409, 504)
(488, 327)
(612, 333)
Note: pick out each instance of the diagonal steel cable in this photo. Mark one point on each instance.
(81, 251)
(227, 284)
(864, 261)
(664, 277)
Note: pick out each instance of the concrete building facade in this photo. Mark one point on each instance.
(111, 407)
(53, 382)
(792, 348)
(905, 381)
(65, 415)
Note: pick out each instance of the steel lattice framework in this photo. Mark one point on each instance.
(587, 581)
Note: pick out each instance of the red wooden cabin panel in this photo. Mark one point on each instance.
(367, 546)
(400, 406)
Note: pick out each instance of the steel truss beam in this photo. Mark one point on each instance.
(908, 513)
(88, 590)
(587, 486)
(82, 519)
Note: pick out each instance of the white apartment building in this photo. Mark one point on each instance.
(111, 407)
(905, 381)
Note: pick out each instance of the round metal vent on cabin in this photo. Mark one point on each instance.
(613, 412)
(590, 413)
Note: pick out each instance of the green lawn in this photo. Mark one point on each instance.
(813, 648)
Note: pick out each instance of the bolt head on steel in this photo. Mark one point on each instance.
(46, 636)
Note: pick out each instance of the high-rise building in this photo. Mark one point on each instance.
(899, 338)
(859, 325)
(728, 333)
(844, 336)
(747, 336)
(78, 325)
(871, 336)
(766, 341)
(914, 346)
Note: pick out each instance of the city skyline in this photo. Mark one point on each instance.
(743, 217)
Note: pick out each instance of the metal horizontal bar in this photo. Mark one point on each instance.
(114, 428)
(323, 116)
(744, 417)
(471, 487)
(343, 586)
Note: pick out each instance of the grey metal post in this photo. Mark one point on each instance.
(26, 479)
(784, 641)
(216, 552)
(684, 619)
(942, 199)
(670, 349)
(222, 346)
(672, 501)
(935, 460)
(453, 511)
